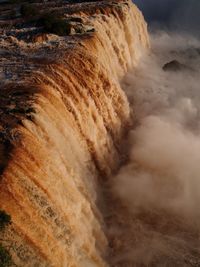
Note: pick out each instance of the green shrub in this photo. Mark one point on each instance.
(5, 257)
(5, 219)
(16, 1)
(28, 11)
(55, 24)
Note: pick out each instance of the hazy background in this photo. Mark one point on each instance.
(160, 184)
(179, 15)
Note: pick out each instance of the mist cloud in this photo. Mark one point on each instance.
(160, 184)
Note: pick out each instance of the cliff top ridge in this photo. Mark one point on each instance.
(35, 35)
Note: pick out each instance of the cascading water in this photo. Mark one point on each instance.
(63, 117)
(64, 114)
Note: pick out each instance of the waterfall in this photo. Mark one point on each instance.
(77, 114)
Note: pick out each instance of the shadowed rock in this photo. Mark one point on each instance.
(175, 65)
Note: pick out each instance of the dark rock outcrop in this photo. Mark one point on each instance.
(175, 65)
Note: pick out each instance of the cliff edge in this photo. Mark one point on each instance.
(62, 117)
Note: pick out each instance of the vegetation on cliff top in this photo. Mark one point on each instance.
(28, 11)
(5, 219)
(5, 257)
(55, 24)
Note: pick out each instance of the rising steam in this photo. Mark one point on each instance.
(160, 185)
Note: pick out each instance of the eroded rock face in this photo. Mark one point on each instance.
(64, 113)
